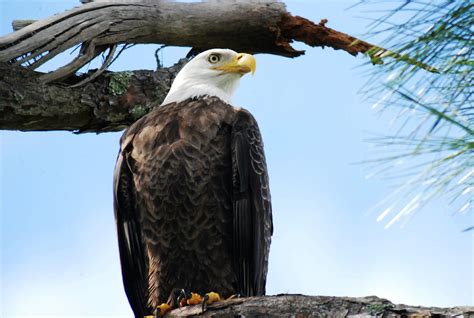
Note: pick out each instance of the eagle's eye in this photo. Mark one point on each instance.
(214, 58)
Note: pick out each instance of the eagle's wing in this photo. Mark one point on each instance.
(252, 224)
(131, 246)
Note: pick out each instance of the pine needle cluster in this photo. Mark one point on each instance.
(430, 149)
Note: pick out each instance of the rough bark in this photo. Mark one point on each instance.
(245, 26)
(318, 306)
(110, 103)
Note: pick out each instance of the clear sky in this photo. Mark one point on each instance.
(58, 244)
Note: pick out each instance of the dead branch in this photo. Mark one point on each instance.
(254, 27)
(317, 306)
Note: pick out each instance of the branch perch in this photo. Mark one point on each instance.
(318, 306)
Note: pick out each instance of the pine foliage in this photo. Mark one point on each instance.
(430, 150)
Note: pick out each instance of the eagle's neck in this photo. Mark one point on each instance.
(181, 94)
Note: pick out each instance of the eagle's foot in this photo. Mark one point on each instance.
(194, 299)
(210, 298)
(175, 300)
(188, 299)
(161, 310)
(180, 298)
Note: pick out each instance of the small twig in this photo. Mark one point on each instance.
(124, 47)
(159, 63)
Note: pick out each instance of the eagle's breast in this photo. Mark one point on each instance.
(182, 167)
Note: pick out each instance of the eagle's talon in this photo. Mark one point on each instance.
(182, 298)
(204, 303)
(175, 297)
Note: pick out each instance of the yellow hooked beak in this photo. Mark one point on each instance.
(242, 63)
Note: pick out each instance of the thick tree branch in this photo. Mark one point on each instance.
(318, 306)
(109, 103)
(254, 27)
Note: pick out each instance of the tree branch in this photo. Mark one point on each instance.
(253, 27)
(317, 306)
(111, 102)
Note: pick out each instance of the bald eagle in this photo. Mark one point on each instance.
(191, 196)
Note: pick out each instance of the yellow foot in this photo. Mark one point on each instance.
(161, 310)
(210, 298)
(188, 299)
(194, 299)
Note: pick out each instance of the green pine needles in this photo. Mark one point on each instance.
(430, 152)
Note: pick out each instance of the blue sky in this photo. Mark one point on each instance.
(59, 252)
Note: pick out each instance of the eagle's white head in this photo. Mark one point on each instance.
(215, 72)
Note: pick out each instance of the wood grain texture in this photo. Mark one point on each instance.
(113, 101)
(244, 26)
(301, 306)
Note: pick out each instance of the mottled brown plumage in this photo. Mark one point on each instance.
(192, 203)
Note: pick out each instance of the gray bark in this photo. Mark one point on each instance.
(111, 102)
(318, 306)
(245, 26)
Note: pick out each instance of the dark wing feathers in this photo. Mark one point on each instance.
(251, 205)
(131, 246)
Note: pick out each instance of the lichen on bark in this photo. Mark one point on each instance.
(119, 82)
